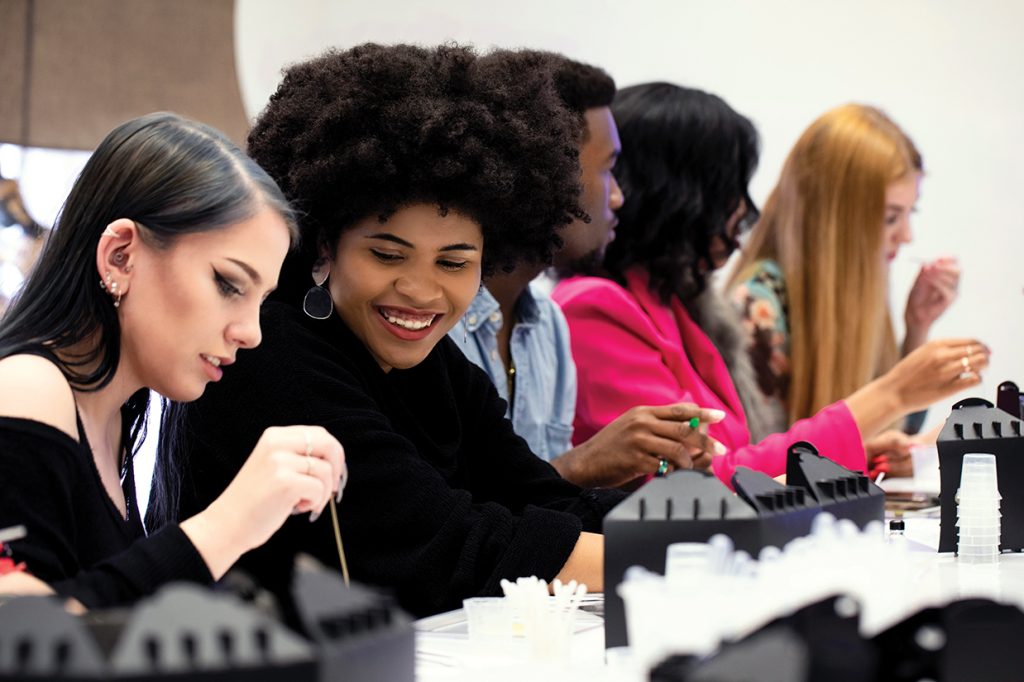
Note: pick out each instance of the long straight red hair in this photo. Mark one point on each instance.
(824, 224)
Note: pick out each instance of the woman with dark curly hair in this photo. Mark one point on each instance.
(416, 170)
(648, 331)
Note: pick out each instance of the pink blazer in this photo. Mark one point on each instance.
(631, 350)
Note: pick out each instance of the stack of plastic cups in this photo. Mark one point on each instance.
(977, 510)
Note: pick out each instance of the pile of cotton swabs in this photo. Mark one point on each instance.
(547, 621)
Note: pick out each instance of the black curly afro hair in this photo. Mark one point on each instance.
(582, 86)
(366, 131)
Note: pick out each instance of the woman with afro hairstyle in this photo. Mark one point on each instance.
(647, 330)
(415, 171)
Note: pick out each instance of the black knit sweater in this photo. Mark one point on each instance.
(77, 540)
(444, 500)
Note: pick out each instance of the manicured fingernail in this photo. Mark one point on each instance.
(342, 482)
(314, 516)
(882, 459)
(694, 422)
(882, 467)
(716, 415)
(720, 449)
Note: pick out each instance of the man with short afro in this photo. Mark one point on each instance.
(518, 335)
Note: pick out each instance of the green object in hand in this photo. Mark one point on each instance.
(694, 422)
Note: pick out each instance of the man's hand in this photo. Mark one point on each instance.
(634, 445)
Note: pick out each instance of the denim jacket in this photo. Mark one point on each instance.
(545, 379)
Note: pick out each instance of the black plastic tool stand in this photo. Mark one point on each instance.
(685, 506)
(843, 493)
(692, 506)
(39, 640)
(1008, 398)
(361, 635)
(976, 426)
(819, 642)
(188, 632)
(973, 639)
(183, 632)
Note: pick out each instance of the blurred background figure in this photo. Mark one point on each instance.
(21, 239)
(812, 281)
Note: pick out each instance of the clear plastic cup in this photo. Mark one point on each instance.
(977, 550)
(978, 527)
(977, 508)
(974, 512)
(978, 516)
(979, 465)
(979, 491)
(973, 532)
(977, 556)
(985, 477)
(979, 459)
(978, 541)
(973, 550)
(977, 468)
(550, 638)
(978, 520)
(489, 619)
(979, 486)
(683, 559)
(980, 500)
(982, 488)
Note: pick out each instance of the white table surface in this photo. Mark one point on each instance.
(444, 651)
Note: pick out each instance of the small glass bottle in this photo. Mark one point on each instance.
(896, 530)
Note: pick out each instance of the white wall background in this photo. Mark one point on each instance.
(951, 73)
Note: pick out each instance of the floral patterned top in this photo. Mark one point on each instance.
(764, 309)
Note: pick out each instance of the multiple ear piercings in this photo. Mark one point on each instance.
(119, 258)
(110, 286)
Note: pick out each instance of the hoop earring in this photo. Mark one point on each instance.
(318, 303)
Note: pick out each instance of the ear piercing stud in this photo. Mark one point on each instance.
(110, 286)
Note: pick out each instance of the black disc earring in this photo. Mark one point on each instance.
(318, 303)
